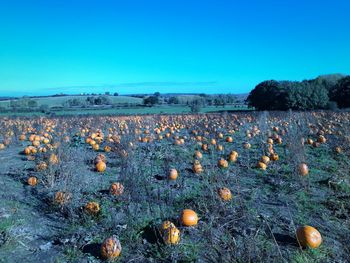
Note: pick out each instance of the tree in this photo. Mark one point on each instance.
(306, 96)
(341, 93)
(157, 94)
(196, 105)
(116, 94)
(268, 95)
(151, 100)
(173, 100)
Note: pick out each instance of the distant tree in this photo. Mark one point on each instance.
(116, 94)
(268, 95)
(151, 100)
(341, 93)
(107, 93)
(173, 100)
(157, 94)
(196, 105)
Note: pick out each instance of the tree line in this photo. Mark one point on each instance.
(324, 92)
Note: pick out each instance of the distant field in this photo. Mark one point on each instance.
(130, 111)
(58, 101)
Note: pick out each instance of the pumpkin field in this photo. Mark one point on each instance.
(216, 187)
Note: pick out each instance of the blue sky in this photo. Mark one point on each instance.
(138, 46)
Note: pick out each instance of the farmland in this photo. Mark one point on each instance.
(216, 187)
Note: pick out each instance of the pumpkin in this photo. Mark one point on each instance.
(116, 189)
(309, 141)
(222, 163)
(197, 167)
(189, 217)
(219, 147)
(96, 147)
(279, 140)
(111, 248)
(225, 194)
(265, 159)
(303, 169)
(198, 155)
(171, 235)
(261, 166)
(100, 157)
(27, 151)
(62, 198)
(246, 145)
(274, 157)
(229, 139)
(269, 141)
(107, 148)
(41, 166)
(53, 159)
(92, 208)
(321, 139)
(309, 236)
(32, 181)
(205, 147)
(101, 166)
(173, 174)
(338, 149)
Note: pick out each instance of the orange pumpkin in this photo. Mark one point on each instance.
(173, 174)
(274, 157)
(303, 169)
(229, 139)
(62, 198)
(261, 166)
(101, 166)
(189, 217)
(116, 189)
(225, 194)
(111, 248)
(265, 159)
(32, 181)
(92, 208)
(309, 236)
(197, 167)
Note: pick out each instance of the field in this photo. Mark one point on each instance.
(59, 101)
(68, 183)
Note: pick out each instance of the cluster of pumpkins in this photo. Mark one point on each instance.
(168, 128)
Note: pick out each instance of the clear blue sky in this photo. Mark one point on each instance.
(71, 46)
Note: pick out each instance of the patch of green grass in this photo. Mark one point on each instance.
(320, 254)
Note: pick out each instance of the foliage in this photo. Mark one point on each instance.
(341, 93)
(151, 100)
(305, 95)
